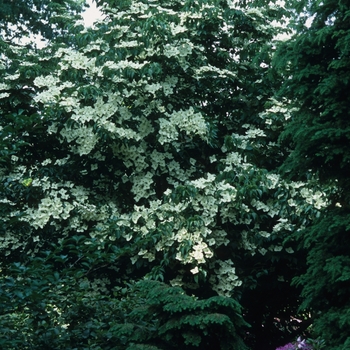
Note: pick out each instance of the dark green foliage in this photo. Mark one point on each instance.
(326, 283)
(185, 321)
(21, 18)
(316, 62)
(317, 59)
(42, 308)
(69, 287)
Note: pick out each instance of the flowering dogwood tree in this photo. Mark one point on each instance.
(140, 149)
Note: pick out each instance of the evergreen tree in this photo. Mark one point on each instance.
(317, 64)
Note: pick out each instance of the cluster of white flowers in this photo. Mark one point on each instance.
(167, 131)
(272, 180)
(169, 84)
(84, 137)
(47, 81)
(182, 49)
(2, 88)
(214, 71)
(280, 108)
(142, 186)
(317, 199)
(283, 224)
(232, 160)
(12, 76)
(184, 120)
(254, 12)
(75, 59)
(48, 96)
(177, 28)
(226, 280)
(120, 65)
(146, 125)
(200, 253)
(9, 242)
(53, 88)
(55, 206)
(247, 242)
(233, 3)
(260, 205)
(152, 88)
(251, 134)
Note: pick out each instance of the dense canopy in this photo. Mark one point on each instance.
(174, 176)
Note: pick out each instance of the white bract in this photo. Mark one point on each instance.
(136, 121)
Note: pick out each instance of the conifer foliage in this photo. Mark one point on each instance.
(317, 62)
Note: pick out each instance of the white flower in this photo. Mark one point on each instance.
(254, 11)
(47, 80)
(194, 270)
(262, 251)
(4, 86)
(253, 133)
(46, 162)
(273, 180)
(12, 77)
(152, 88)
(4, 95)
(176, 29)
(170, 51)
(185, 49)
(134, 259)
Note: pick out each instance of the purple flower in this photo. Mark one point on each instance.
(302, 344)
(299, 344)
(289, 346)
